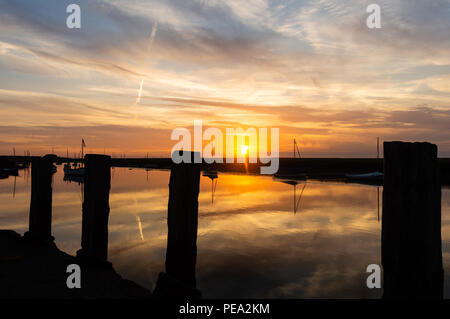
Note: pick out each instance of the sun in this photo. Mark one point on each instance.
(244, 149)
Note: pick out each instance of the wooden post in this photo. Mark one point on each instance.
(94, 237)
(182, 219)
(411, 222)
(40, 220)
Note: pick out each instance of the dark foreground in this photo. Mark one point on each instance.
(30, 269)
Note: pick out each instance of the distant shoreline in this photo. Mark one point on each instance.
(314, 168)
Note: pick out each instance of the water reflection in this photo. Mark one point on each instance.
(294, 183)
(249, 244)
(213, 176)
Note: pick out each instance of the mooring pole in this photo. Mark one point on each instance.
(182, 221)
(94, 237)
(40, 219)
(411, 221)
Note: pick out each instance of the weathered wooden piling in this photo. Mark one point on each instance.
(182, 221)
(40, 219)
(94, 235)
(411, 222)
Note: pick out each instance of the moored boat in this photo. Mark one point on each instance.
(210, 173)
(74, 178)
(10, 171)
(79, 171)
(372, 175)
(290, 178)
(75, 170)
(373, 178)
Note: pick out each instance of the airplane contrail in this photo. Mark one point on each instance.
(138, 100)
(150, 43)
(140, 227)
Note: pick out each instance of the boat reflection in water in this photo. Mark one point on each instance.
(294, 181)
(212, 175)
(74, 178)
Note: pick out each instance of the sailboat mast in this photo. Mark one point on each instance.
(296, 150)
(378, 202)
(294, 147)
(378, 147)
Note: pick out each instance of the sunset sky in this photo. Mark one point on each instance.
(311, 68)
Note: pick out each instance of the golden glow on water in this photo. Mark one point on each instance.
(250, 241)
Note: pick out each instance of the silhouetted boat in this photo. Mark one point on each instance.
(74, 178)
(77, 171)
(22, 165)
(10, 171)
(289, 178)
(365, 176)
(210, 173)
(74, 170)
(371, 177)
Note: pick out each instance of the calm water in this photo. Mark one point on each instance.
(251, 243)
